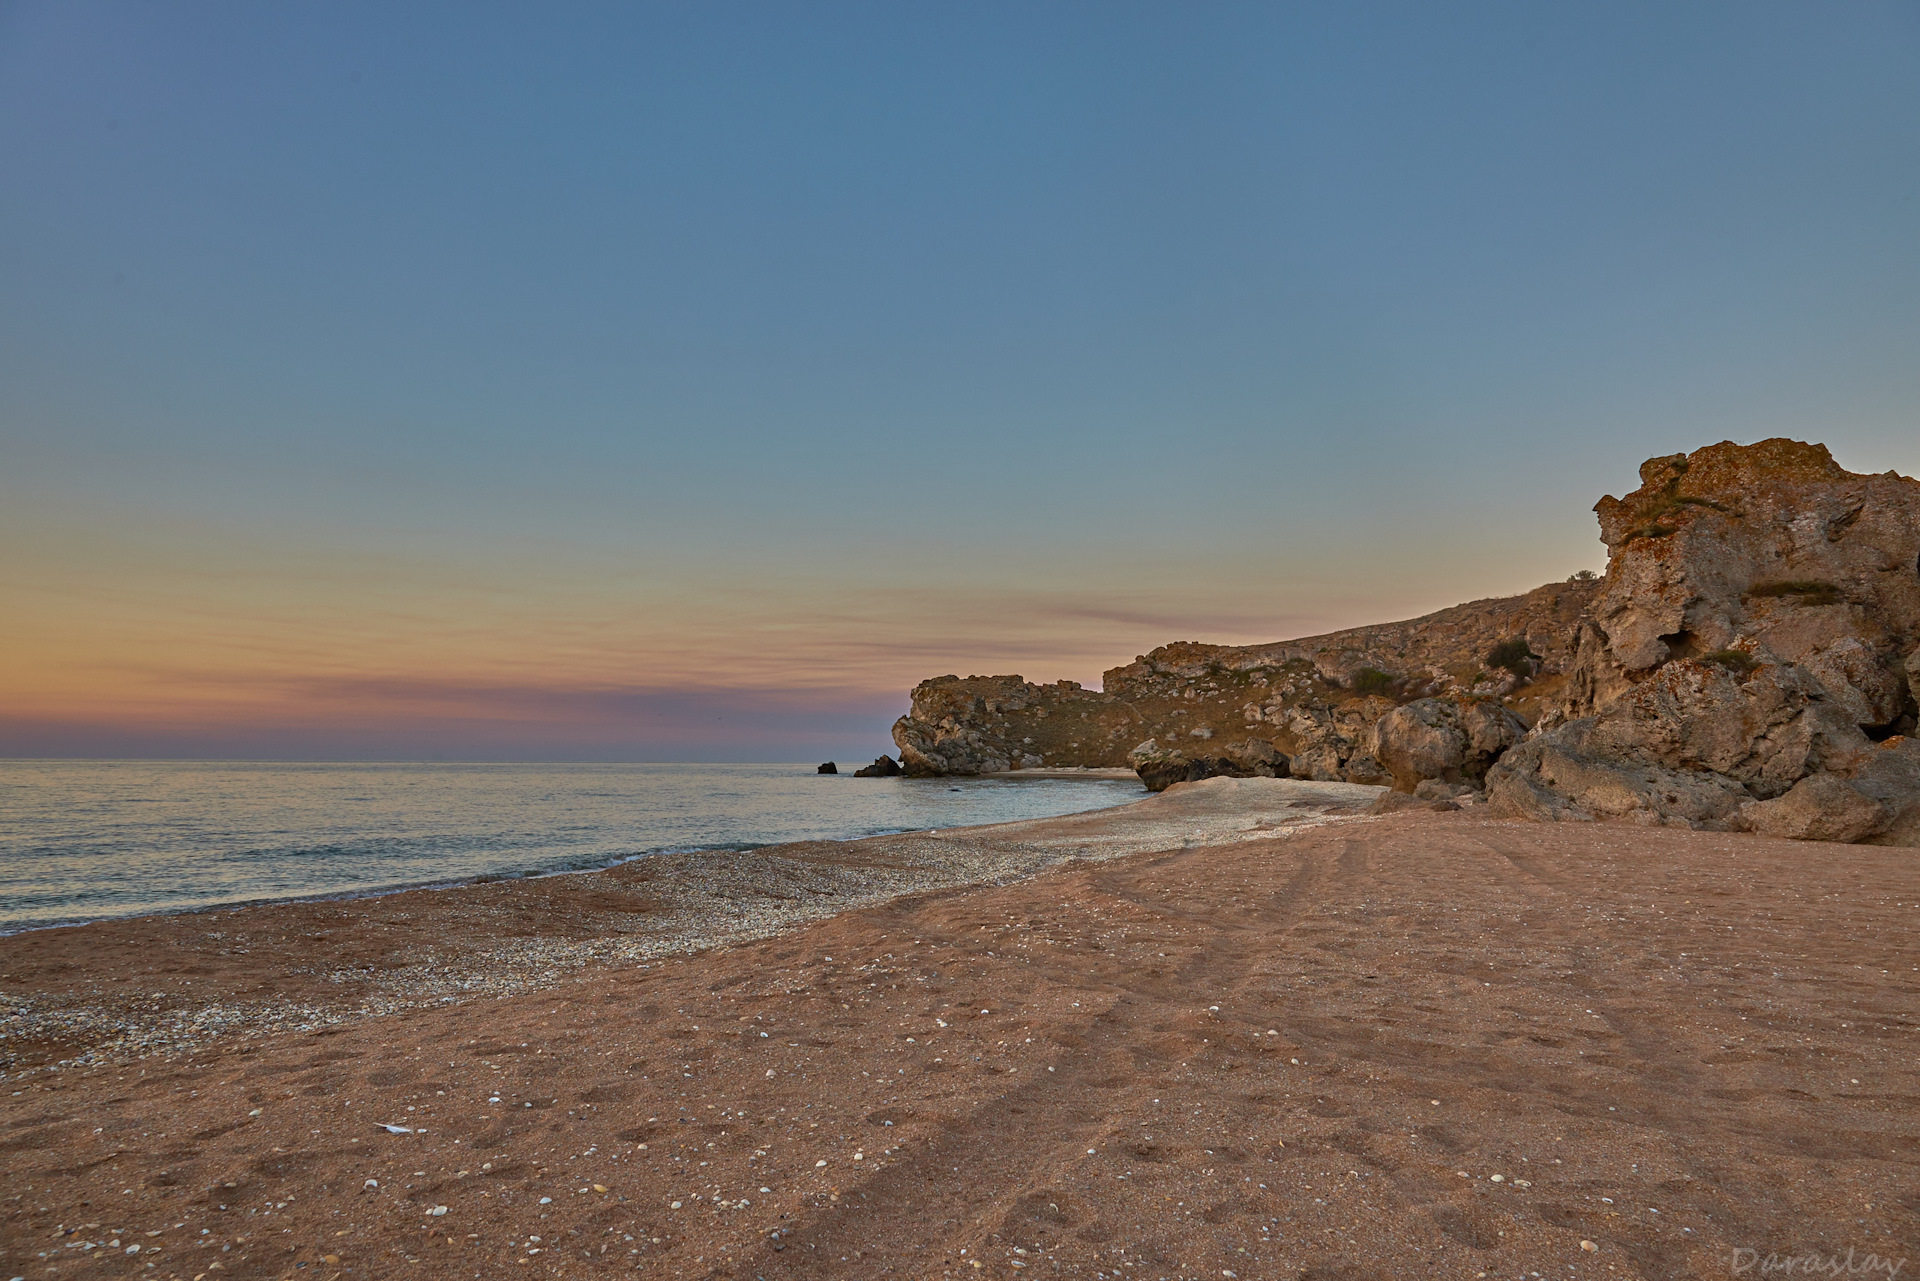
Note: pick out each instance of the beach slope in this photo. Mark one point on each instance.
(1238, 1030)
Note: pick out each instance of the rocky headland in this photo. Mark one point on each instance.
(1313, 700)
(1747, 663)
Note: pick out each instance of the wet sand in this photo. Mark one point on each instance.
(1243, 1029)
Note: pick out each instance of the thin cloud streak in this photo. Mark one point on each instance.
(429, 655)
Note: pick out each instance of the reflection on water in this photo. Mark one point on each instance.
(81, 840)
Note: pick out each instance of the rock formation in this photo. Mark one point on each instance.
(827, 767)
(882, 767)
(1748, 663)
(1445, 739)
(1314, 700)
(1161, 767)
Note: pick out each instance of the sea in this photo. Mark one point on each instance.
(91, 840)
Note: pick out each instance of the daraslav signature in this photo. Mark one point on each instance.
(1753, 1263)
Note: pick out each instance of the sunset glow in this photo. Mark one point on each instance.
(668, 384)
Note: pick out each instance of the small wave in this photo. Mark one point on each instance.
(83, 846)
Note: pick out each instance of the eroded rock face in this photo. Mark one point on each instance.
(1161, 767)
(1444, 739)
(1758, 626)
(1576, 774)
(882, 767)
(1314, 700)
(986, 724)
(1747, 658)
(1774, 545)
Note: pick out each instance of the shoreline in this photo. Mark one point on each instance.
(643, 908)
(1155, 1042)
(402, 887)
(590, 866)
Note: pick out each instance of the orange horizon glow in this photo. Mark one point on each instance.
(193, 634)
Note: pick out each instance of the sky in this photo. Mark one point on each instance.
(685, 382)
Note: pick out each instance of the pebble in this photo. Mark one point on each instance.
(694, 913)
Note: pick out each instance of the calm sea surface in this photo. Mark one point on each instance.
(84, 840)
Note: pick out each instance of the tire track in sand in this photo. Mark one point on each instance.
(987, 1166)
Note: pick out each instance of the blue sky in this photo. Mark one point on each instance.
(370, 378)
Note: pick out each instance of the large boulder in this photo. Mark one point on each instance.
(1161, 767)
(1889, 774)
(1575, 774)
(1452, 740)
(1820, 807)
(1331, 741)
(882, 767)
(1365, 767)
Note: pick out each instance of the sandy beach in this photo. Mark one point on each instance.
(1243, 1029)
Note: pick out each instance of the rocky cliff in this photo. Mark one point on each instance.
(1748, 662)
(1314, 699)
